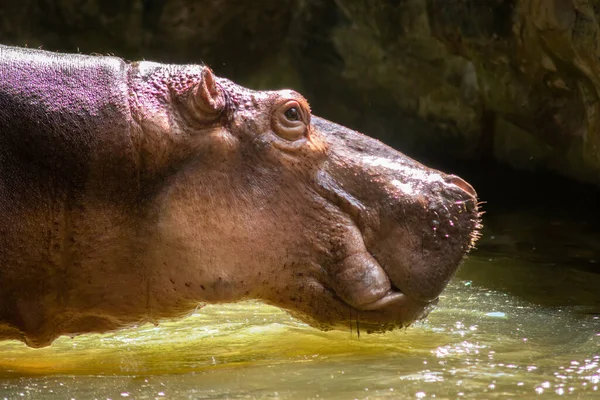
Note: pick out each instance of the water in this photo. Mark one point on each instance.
(521, 319)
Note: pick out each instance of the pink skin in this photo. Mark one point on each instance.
(232, 194)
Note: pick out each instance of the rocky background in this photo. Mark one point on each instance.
(514, 81)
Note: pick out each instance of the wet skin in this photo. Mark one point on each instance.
(133, 193)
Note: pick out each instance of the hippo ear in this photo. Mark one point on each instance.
(209, 98)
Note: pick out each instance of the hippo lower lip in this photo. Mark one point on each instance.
(390, 299)
(393, 298)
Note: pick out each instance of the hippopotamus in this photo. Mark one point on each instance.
(138, 192)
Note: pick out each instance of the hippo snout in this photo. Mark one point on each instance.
(422, 239)
(416, 223)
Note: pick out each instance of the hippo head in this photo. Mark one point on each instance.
(262, 200)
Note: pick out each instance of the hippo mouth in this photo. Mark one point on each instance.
(402, 267)
(376, 309)
(391, 311)
(393, 298)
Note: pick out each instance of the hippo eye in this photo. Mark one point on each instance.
(292, 114)
(290, 121)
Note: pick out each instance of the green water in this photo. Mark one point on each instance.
(521, 319)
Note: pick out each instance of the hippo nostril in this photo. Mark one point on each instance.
(456, 181)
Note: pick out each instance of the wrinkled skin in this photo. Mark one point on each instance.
(132, 193)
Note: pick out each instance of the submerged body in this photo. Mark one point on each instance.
(132, 193)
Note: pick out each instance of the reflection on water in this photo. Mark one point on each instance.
(520, 319)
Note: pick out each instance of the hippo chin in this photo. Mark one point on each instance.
(132, 193)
